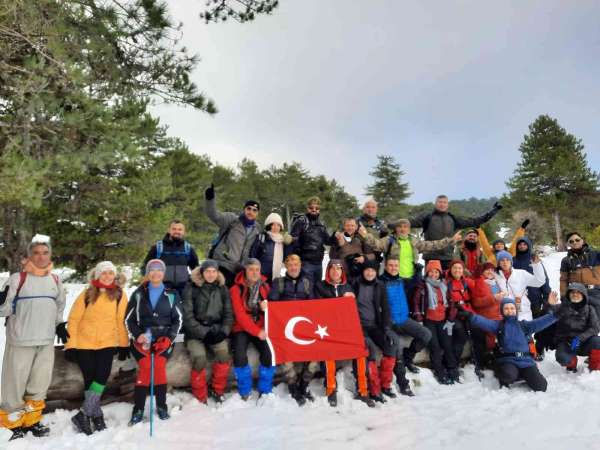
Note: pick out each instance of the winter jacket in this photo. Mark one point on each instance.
(381, 306)
(420, 305)
(288, 288)
(472, 258)
(350, 250)
(483, 301)
(522, 260)
(263, 249)
(438, 225)
(377, 228)
(34, 314)
(310, 237)
(100, 324)
(517, 284)
(488, 249)
(512, 336)
(580, 267)
(236, 239)
(164, 320)
(396, 296)
(459, 293)
(391, 249)
(174, 256)
(206, 307)
(327, 289)
(252, 322)
(581, 321)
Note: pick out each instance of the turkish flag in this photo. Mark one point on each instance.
(314, 330)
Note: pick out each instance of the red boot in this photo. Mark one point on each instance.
(220, 373)
(374, 381)
(572, 366)
(594, 361)
(199, 387)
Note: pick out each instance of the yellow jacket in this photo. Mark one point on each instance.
(488, 250)
(98, 325)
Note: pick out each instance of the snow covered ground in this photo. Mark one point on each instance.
(471, 415)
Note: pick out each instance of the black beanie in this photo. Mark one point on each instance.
(253, 203)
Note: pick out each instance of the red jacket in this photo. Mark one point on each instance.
(459, 294)
(243, 315)
(483, 301)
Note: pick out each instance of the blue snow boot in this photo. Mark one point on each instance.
(244, 380)
(265, 379)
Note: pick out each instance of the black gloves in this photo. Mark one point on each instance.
(62, 333)
(214, 337)
(525, 223)
(71, 355)
(209, 193)
(497, 206)
(463, 313)
(123, 353)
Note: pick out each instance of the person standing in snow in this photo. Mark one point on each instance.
(249, 301)
(178, 255)
(514, 360)
(271, 247)
(96, 332)
(34, 308)
(153, 321)
(237, 233)
(577, 330)
(207, 321)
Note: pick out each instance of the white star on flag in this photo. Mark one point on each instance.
(321, 331)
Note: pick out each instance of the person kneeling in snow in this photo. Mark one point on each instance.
(577, 330)
(207, 321)
(514, 361)
(153, 319)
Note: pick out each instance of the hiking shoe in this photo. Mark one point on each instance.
(163, 413)
(99, 423)
(136, 417)
(332, 399)
(38, 430)
(388, 393)
(82, 423)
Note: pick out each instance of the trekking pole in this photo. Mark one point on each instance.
(473, 352)
(151, 392)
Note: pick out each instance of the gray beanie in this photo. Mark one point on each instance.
(252, 262)
(209, 264)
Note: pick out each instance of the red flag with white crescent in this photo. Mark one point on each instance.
(314, 330)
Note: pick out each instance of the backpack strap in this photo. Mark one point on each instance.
(159, 249)
(391, 241)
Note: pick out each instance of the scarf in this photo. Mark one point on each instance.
(254, 300)
(30, 268)
(277, 253)
(432, 286)
(247, 222)
(98, 284)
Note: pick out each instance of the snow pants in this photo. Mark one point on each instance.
(564, 354)
(507, 373)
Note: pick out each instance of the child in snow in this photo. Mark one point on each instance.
(96, 329)
(514, 360)
(153, 319)
(577, 330)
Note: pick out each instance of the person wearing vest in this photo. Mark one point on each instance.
(237, 233)
(249, 301)
(177, 254)
(577, 330)
(470, 252)
(271, 247)
(34, 308)
(96, 333)
(440, 223)
(402, 324)
(405, 248)
(351, 249)
(336, 285)
(514, 360)
(373, 224)
(207, 321)
(581, 265)
(153, 321)
(310, 237)
(295, 285)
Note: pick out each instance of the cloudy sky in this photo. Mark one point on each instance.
(447, 87)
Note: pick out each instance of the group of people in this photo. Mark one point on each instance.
(494, 296)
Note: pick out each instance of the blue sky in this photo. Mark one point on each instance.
(448, 88)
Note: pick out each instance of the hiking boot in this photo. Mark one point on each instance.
(479, 373)
(82, 423)
(406, 391)
(163, 412)
(136, 417)
(17, 433)
(408, 362)
(219, 398)
(296, 394)
(332, 399)
(366, 400)
(99, 423)
(305, 392)
(377, 398)
(388, 392)
(38, 430)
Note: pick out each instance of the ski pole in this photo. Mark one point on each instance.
(151, 392)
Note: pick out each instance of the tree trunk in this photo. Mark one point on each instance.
(560, 244)
(288, 219)
(14, 236)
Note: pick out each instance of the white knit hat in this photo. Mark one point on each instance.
(104, 266)
(274, 218)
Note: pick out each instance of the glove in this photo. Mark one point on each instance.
(448, 327)
(123, 353)
(209, 193)
(497, 206)
(214, 337)
(575, 343)
(525, 223)
(71, 355)
(62, 333)
(162, 344)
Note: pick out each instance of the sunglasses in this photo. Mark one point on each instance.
(574, 241)
(252, 208)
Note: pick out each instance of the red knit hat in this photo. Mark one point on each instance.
(434, 264)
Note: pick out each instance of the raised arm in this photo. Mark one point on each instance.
(485, 245)
(474, 222)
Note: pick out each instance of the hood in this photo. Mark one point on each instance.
(529, 247)
(328, 280)
(120, 279)
(240, 278)
(199, 281)
(579, 288)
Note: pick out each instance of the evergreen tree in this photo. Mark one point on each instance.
(553, 176)
(388, 190)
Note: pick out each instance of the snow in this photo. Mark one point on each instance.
(471, 415)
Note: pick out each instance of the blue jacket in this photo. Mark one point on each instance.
(396, 298)
(512, 335)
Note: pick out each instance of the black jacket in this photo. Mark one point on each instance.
(383, 317)
(324, 289)
(582, 321)
(176, 260)
(310, 237)
(286, 288)
(165, 320)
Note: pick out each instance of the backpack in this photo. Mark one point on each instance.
(160, 250)
(218, 239)
(305, 283)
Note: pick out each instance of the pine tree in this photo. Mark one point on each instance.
(553, 176)
(388, 190)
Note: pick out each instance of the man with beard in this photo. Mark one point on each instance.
(470, 252)
(177, 254)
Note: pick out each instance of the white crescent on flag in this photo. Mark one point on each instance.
(289, 331)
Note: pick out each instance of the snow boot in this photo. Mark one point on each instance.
(99, 423)
(17, 433)
(366, 400)
(198, 383)
(265, 379)
(38, 430)
(572, 365)
(244, 381)
(594, 360)
(220, 372)
(408, 357)
(83, 423)
(479, 373)
(163, 412)
(405, 390)
(137, 415)
(305, 391)
(296, 394)
(332, 399)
